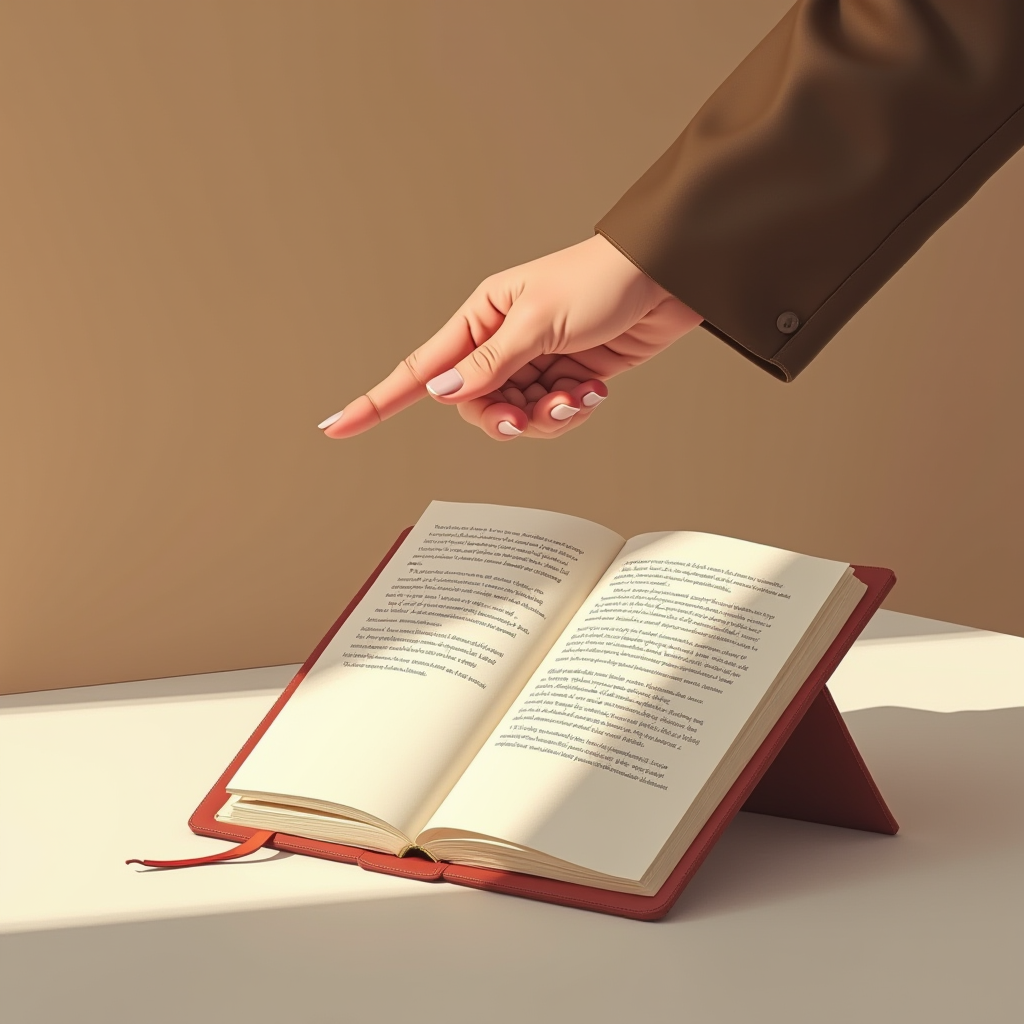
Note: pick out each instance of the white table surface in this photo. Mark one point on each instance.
(786, 921)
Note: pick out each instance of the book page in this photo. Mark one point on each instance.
(419, 674)
(610, 742)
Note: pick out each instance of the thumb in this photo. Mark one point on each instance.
(490, 364)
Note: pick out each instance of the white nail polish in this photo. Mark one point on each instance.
(563, 412)
(446, 383)
(330, 421)
(592, 398)
(504, 427)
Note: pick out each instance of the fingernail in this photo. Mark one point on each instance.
(446, 383)
(504, 427)
(592, 398)
(563, 412)
(330, 420)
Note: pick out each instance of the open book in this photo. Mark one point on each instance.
(529, 691)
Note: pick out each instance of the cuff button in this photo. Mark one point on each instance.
(787, 322)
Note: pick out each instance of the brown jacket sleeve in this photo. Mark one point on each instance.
(822, 164)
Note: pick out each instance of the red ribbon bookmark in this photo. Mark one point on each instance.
(255, 842)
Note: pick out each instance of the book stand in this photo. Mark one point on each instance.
(807, 768)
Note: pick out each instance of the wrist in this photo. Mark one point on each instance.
(634, 274)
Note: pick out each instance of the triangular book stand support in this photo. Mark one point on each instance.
(820, 776)
(808, 768)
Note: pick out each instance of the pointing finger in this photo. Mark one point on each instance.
(470, 327)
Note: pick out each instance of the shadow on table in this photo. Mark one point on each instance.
(954, 781)
(898, 625)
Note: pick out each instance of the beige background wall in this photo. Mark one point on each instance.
(221, 221)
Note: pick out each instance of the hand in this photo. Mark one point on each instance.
(529, 350)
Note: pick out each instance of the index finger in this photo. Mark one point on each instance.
(406, 384)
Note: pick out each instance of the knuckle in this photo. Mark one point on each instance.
(476, 327)
(482, 295)
(413, 365)
(485, 358)
(559, 333)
